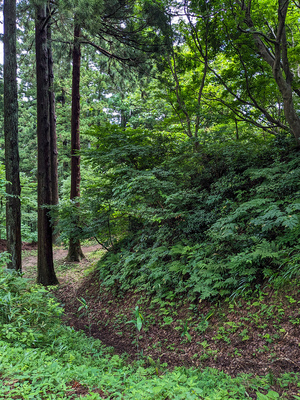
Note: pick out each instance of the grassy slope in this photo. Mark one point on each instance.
(257, 335)
(67, 364)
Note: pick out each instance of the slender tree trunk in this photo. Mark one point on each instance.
(13, 188)
(46, 273)
(75, 252)
(53, 136)
(236, 129)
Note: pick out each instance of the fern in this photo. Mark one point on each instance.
(205, 223)
(241, 212)
(288, 221)
(266, 249)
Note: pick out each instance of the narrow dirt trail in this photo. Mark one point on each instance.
(68, 273)
(59, 254)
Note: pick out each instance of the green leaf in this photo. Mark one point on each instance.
(139, 323)
(271, 395)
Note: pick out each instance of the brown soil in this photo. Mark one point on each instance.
(257, 337)
(25, 246)
(68, 273)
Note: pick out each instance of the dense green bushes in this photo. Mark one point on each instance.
(28, 207)
(216, 221)
(28, 317)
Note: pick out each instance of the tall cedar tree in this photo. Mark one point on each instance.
(75, 252)
(46, 273)
(13, 188)
(53, 136)
(112, 26)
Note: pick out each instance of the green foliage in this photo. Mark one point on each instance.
(271, 395)
(119, 186)
(2, 182)
(28, 208)
(85, 307)
(4, 259)
(42, 359)
(185, 332)
(210, 83)
(138, 321)
(215, 222)
(44, 376)
(28, 317)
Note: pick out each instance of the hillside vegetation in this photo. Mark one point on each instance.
(213, 222)
(196, 294)
(165, 135)
(43, 359)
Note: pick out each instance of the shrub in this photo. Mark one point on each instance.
(29, 317)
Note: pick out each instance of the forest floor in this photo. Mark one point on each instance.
(258, 335)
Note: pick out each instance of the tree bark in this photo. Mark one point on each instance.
(13, 188)
(53, 136)
(75, 253)
(279, 63)
(46, 273)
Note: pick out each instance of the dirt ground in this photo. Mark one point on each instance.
(259, 351)
(25, 246)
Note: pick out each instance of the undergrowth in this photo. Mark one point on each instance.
(213, 224)
(43, 359)
(218, 222)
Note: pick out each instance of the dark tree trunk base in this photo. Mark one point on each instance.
(75, 253)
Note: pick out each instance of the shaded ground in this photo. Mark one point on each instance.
(257, 336)
(25, 246)
(68, 273)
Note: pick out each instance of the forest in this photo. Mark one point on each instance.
(150, 199)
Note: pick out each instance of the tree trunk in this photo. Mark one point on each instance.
(46, 273)
(53, 136)
(13, 189)
(278, 61)
(289, 109)
(75, 252)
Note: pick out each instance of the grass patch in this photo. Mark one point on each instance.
(44, 359)
(49, 373)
